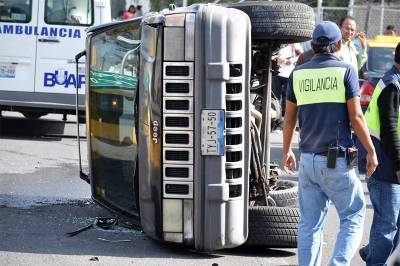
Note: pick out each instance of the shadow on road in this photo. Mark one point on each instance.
(11, 127)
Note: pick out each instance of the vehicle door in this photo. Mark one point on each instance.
(18, 19)
(61, 35)
(113, 71)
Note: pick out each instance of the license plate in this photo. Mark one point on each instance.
(7, 71)
(212, 132)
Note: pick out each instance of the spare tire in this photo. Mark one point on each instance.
(273, 226)
(285, 193)
(284, 22)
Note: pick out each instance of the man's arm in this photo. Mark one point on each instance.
(359, 125)
(388, 104)
(362, 53)
(289, 125)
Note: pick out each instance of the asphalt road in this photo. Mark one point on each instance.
(42, 198)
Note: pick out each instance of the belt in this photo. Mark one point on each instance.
(325, 153)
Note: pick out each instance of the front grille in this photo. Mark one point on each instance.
(233, 122)
(182, 71)
(177, 87)
(182, 172)
(234, 105)
(177, 104)
(235, 191)
(177, 121)
(233, 156)
(233, 173)
(177, 155)
(234, 139)
(172, 138)
(233, 88)
(178, 189)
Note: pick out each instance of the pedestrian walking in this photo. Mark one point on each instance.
(349, 52)
(382, 118)
(287, 58)
(324, 93)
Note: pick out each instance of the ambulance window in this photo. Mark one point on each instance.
(69, 12)
(18, 11)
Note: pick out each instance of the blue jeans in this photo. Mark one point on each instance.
(318, 185)
(385, 198)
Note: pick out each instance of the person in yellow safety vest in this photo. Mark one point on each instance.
(383, 122)
(324, 93)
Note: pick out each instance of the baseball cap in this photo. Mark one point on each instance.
(326, 33)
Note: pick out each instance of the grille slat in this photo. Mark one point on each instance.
(233, 156)
(177, 172)
(177, 87)
(233, 122)
(177, 155)
(172, 138)
(235, 70)
(172, 121)
(177, 104)
(234, 105)
(233, 88)
(233, 173)
(178, 189)
(235, 191)
(234, 139)
(177, 71)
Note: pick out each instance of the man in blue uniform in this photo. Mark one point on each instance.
(324, 93)
(384, 185)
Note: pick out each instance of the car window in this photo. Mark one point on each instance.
(69, 12)
(380, 59)
(19, 11)
(113, 81)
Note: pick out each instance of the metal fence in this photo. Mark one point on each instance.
(370, 18)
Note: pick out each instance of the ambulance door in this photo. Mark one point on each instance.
(18, 19)
(61, 35)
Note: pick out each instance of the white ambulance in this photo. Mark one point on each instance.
(38, 43)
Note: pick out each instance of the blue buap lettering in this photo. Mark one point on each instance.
(40, 31)
(50, 80)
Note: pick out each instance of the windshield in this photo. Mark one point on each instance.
(113, 82)
(380, 59)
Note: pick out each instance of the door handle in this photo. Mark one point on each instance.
(48, 40)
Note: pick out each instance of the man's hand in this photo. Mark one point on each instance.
(363, 39)
(398, 176)
(372, 163)
(289, 162)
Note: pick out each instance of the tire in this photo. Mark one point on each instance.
(273, 226)
(284, 22)
(285, 194)
(33, 115)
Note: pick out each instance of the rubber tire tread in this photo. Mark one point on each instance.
(287, 197)
(273, 226)
(285, 22)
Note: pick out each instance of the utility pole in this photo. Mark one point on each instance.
(382, 14)
(351, 5)
(319, 11)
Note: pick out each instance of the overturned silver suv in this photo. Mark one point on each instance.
(177, 108)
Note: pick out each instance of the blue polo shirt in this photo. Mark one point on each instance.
(319, 122)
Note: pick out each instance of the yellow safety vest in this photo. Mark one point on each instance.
(372, 113)
(323, 85)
